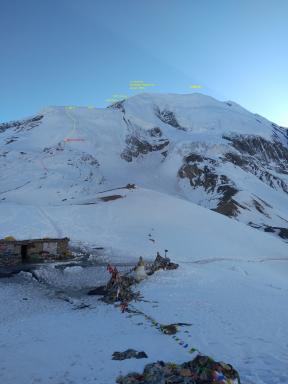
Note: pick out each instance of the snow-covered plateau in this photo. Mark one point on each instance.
(211, 186)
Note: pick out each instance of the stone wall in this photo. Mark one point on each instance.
(38, 250)
(10, 254)
(63, 249)
(34, 251)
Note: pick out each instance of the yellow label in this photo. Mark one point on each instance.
(140, 84)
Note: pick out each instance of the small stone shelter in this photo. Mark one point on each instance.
(13, 252)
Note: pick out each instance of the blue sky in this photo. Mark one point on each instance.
(60, 52)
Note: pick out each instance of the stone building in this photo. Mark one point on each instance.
(13, 252)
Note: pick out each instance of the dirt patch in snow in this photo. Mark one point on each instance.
(111, 198)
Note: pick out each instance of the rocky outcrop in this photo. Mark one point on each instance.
(129, 354)
(168, 117)
(137, 146)
(22, 125)
(118, 105)
(142, 142)
(279, 231)
(202, 172)
(265, 159)
(257, 146)
(255, 155)
(201, 370)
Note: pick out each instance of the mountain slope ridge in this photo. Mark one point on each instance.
(215, 154)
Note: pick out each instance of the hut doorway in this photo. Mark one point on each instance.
(24, 255)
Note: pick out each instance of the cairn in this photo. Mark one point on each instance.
(140, 272)
(119, 287)
(201, 370)
(161, 263)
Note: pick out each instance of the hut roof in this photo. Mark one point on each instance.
(30, 241)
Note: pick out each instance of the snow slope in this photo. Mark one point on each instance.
(142, 222)
(237, 309)
(215, 154)
(64, 172)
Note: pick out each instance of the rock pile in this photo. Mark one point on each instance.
(129, 354)
(161, 263)
(169, 329)
(201, 370)
(119, 287)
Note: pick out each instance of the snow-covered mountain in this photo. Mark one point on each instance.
(214, 154)
(65, 172)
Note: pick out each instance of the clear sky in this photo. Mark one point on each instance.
(82, 52)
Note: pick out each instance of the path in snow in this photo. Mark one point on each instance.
(237, 317)
(56, 228)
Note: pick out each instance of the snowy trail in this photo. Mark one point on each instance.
(16, 188)
(236, 317)
(56, 228)
(74, 120)
(232, 280)
(214, 260)
(72, 132)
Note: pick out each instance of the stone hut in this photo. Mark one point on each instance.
(13, 252)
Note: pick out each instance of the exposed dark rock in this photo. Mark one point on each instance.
(23, 124)
(236, 159)
(129, 354)
(283, 232)
(111, 198)
(194, 157)
(280, 231)
(265, 159)
(200, 176)
(169, 329)
(11, 140)
(161, 263)
(155, 132)
(168, 117)
(130, 186)
(227, 205)
(202, 172)
(261, 158)
(201, 370)
(164, 153)
(140, 141)
(259, 207)
(89, 159)
(52, 150)
(280, 134)
(259, 147)
(118, 105)
(82, 306)
(139, 146)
